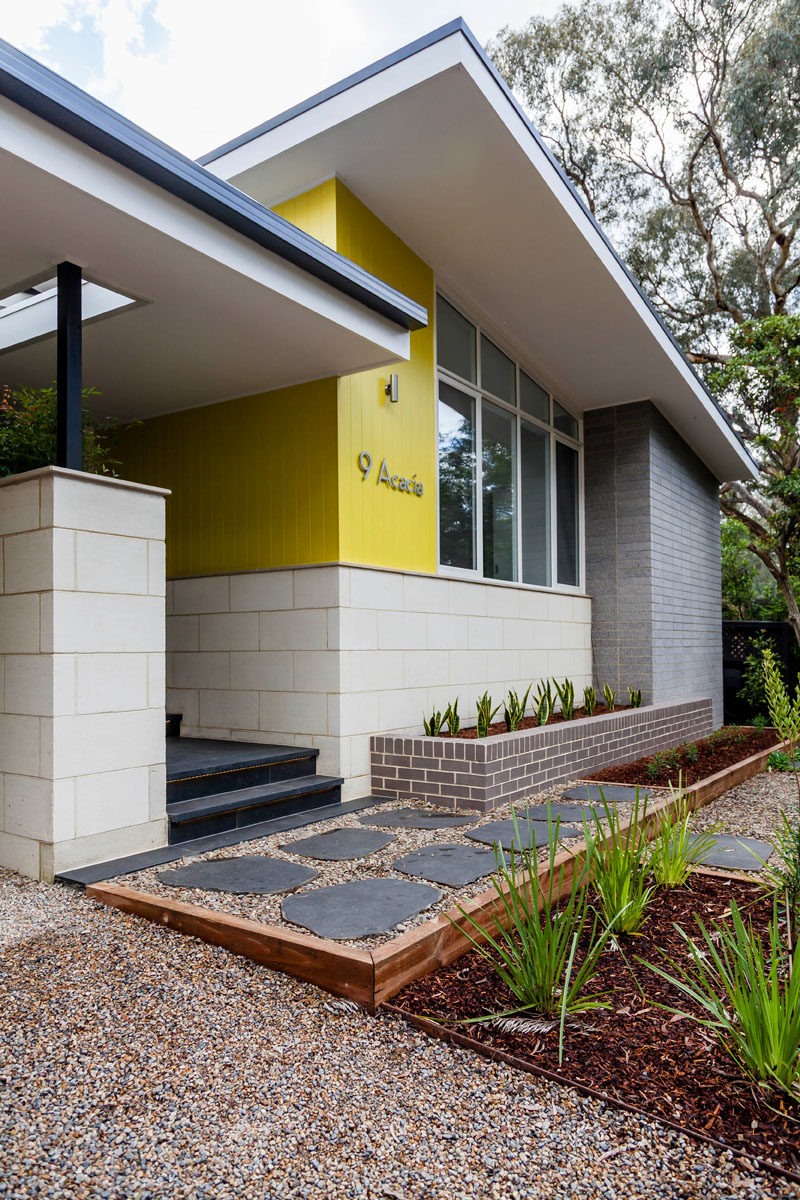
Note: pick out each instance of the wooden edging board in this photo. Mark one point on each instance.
(372, 977)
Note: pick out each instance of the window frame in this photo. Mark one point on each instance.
(479, 394)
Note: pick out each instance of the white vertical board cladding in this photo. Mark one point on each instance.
(326, 656)
(82, 756)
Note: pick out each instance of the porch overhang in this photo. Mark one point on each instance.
(223, 297)
(432, 140)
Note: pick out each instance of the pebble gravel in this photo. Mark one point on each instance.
(753, 809)
(136, 1063)
(376, 865)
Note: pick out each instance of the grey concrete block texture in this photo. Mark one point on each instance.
(652, 558)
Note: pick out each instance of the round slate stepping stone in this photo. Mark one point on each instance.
(567, 812)
(615, 793)
(503, 832)
(737, 853)
(414, 818)
(359, 909)
(454, 865)
(339, 844)
(252, 874)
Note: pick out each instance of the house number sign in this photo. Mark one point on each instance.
(400, 483)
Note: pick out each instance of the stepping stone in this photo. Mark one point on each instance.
(567, 812)
(737, 853)
(454, 865)
(253, 874)
(359, 909)
(414, 818)
(339, 844)
(615, 793)
(503, 832)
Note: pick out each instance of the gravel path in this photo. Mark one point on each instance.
(753, 809)
(136, 1063)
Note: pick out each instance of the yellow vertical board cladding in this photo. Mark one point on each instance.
(379, 524)
(254, 481)
(314, 212)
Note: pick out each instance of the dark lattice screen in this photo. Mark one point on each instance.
(737, 642)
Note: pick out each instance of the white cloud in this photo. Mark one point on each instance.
(197, 72)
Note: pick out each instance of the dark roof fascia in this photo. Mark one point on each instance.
(47, 95)
(459, 25)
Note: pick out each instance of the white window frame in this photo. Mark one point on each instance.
(479, 394)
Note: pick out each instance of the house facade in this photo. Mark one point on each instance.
(421, 434)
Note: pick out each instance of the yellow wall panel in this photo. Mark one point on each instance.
(381, 525)
(254, 481)
(314, 212)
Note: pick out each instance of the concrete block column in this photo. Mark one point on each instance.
(82, 631)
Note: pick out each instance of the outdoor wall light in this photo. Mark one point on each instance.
(392, 389)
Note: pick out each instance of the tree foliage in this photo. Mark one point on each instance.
(28, 432)
(679, 124)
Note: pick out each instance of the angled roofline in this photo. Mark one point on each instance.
(47, 95)
(459, 25)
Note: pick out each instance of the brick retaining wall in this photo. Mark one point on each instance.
(484, 774)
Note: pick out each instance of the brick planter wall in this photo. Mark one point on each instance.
(483, 774)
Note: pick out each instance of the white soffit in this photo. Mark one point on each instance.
(214, 314)
(434, 144)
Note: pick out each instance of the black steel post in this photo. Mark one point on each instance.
(69, 368)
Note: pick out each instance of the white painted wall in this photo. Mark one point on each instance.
(82, 657)
(326, 656)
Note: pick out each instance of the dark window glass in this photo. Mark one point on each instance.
(455, 341)
(457, 469)
(498, 373)
(533, 399)
(535, 470)
(499, 536)
(567, 513)
(564, 421)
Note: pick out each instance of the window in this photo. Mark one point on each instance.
(509, 464)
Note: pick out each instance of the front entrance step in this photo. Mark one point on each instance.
(205, 767)
(202, 815)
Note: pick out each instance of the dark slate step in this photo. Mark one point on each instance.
(143, 861)
(174, 725)
(206, 767)
(203, 815)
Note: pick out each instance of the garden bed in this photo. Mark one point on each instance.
(470, 733)
(634, 1053)
(693, 762)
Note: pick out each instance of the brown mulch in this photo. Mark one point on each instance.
(728, 746)
(634, 1051)
(531, 723)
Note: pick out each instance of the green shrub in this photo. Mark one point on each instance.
(657, 765)
(533, 953)
(636, 696)
(691, 752)
(618, 866)
(28, 432)
(749, 994)
(433, 725)
(451, 718)
(514, 710)
(486, 714)
(610, 696)
(676, 848)
(589, 701)
(566, 696)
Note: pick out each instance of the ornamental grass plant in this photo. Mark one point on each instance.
(618, 865)
(748, 994)
(533, 948)
(676, 848)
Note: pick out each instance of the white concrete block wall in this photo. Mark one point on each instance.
(82, 659)
(326, 656)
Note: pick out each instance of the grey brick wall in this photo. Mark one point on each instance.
(487, 773)
(652, 558)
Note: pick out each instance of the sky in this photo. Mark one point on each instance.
(197, 72)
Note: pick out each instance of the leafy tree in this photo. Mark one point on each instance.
(761, 383)
(679, 124)
(743, 587)
(28, 432)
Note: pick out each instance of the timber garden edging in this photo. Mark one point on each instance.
(372, 977)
